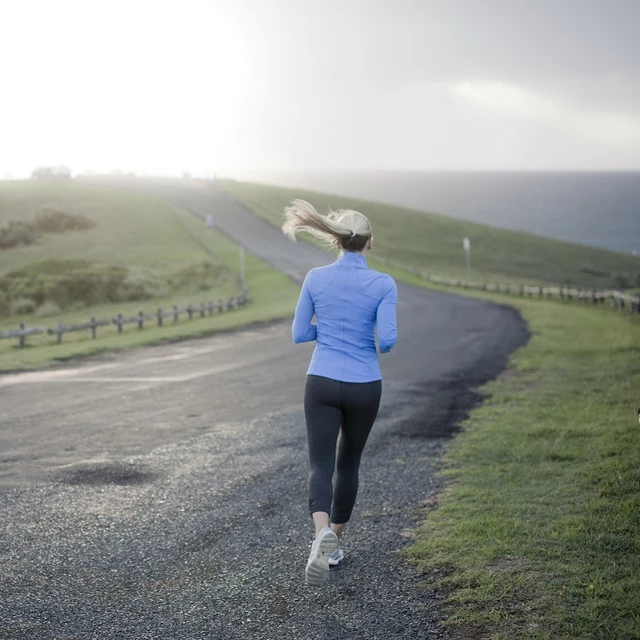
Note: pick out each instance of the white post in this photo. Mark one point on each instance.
(242, 269)
(466, 243)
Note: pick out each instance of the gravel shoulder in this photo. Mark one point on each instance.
(161, 493)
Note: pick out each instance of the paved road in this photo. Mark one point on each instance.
(161, 493)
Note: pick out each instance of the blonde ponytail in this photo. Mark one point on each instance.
(345, 229)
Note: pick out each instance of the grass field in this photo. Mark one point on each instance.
(537, 534)
(157, 244)
(434, 242)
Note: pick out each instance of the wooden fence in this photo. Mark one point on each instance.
(617, 299)
(140, 319)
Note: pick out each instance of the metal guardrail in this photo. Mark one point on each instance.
(60, 329)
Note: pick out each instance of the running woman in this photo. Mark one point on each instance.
(343, 386)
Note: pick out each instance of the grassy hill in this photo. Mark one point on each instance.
(77, 250)
(434, 242)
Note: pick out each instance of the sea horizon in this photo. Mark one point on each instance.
(599, 208)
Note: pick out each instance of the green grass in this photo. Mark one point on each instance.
(537, 534)
(434, 242)
(153, 240)
(131, 229)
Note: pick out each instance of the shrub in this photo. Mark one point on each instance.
(5, 305)
(73, 283)
(52, 220)
(17, 233)
(199, 277)
(620, 281)
(22, 306)
(48, 308)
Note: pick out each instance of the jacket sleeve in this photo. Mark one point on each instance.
(302, 329)
(386, 317)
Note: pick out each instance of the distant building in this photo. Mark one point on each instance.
(59, 172)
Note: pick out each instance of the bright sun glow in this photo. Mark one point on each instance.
(153, 86)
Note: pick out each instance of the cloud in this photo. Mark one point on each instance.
(606, 126)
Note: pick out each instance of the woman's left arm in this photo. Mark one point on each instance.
(386, 317)
(302, 329)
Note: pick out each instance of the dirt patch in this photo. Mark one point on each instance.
(106, 473)
(449, 404)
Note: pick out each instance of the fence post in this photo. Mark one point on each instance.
(140, 320)
(202, 309)
(119, 322)
(210, 307)
(175, 313)
(93, 328)
(220, 305)
(190, 312)
(22, 337)
(59, 332)
(159, 313)
(540, 292)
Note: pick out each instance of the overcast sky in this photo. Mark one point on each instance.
(223, 86)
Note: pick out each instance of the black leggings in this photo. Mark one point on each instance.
(332, 407)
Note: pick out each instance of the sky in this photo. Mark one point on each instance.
(221, 87)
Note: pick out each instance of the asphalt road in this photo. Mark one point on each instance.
(161, 493)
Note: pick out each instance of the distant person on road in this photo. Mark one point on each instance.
(344, 384)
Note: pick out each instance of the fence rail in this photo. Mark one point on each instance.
(22, 332)
(92, 326)
(617, 299)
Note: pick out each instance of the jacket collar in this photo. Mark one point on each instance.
(351, 257)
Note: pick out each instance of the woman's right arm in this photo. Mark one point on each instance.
(302, 330)
(386, 317)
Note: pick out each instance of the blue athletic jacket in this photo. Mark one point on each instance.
(348, 299)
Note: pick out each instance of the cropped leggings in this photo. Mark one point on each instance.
(334, 408)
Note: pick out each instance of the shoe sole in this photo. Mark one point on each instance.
(317, 571)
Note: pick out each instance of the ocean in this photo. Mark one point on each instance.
(600, 209)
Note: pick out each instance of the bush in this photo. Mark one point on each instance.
(73, 283)
(51, 286)
(48, 308)
(5, 305)
(51, 220)
(22, 306)
(17, 233)
(199, 277)
(620, 280)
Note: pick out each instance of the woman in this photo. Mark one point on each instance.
(343, 386)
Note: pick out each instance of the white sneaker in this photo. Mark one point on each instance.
(317, 571)
(336, 557)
